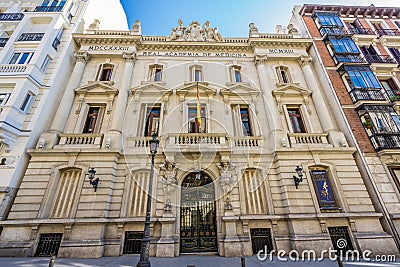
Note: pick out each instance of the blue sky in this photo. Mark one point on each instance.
(232, 17)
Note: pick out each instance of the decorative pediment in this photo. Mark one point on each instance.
(190, 90)
(241, 90)
(291, 90)
(96, 88)
(151, 89)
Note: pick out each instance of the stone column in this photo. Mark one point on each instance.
(120, 105)
(267, 92)
(67, 100)
(319, 103)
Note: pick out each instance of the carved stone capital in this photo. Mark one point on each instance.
(260, 59)
(82, 56)
(129, 57)
(305, 61)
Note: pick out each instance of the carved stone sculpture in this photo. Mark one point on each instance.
(169, 181)
(195, 33)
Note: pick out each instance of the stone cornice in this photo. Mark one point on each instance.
(162, 43)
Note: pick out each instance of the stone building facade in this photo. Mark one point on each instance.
(358, 49)
(235, 118)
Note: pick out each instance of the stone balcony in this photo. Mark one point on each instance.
(308, 139)
(21, 69)
(81, 140)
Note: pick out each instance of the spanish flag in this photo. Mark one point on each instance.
(198, 109)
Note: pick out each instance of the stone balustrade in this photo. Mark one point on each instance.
(308, 138)
(246, 141)
(198, 138)
(91, 140)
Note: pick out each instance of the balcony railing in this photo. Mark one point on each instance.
(308, 138)
(138, 141)
(31, 37)
(332, 31)
(198, 138)
(380, 59)
(11, 16)
(3, 42)
(366, 94)
(48, 8)
(385, 141)
(247, 141)
(12, 68)
(349, 58)
(91, 140)
(361, 31)
(392, 32)
(394, 95)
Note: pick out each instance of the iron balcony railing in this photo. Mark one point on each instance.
(331, 31)
(360, 31)
(31, 37)
(366, 94)
(380, 59)
(3, 41)
(394, 95)
(349, 58)
(393, 32)
(48, 8)
(382, 141)
(11, 16)
(397, 60)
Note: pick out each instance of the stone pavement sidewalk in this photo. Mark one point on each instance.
(181, 261)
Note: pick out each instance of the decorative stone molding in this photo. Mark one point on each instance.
(82, 56)
(129, 57)
(195, 33)
(305, 61)
(260, 59)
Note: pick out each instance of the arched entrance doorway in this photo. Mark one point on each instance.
(198, 216)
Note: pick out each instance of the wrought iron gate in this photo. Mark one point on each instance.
(260, 239)
(132, 244)
(198, 216)
(340, 239)
(48, 245)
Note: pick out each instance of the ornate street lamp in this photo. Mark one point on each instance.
(145, 244)
(298, 180)
(93, 182)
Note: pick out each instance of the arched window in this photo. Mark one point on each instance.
(105, 72)
(283, 74)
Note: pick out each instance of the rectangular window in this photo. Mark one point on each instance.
(323, 190)
(21, 58)
(245, 117)
(391, 89)
(156, 73)
(238, 78)
(283, 74)
(362, 78)
(296, 120)
(344, 45)
(193, 123)
(152, 121)
(91, 120)
(26, 103)
(45, 63)
(329, 19)
(197, 75)
(4, 98)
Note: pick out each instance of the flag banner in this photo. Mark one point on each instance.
(198, 109)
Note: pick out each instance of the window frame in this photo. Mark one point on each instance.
(236, 74)
(156, 73)
(343, 45)
(45, 63)
(283, 74)
(292, 125)
(328, 19)
(249, 131)
(149, 121)
(191, 120)
(194, 70)
(27, 102)
(362, 75)
(395, 178)
(16, 60)
(100, 74)
(3, 101)
(332, 205)
(98, 121)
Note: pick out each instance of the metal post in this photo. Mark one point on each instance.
(243, 261)
(144, 252)
(340, 263)
(51, 263)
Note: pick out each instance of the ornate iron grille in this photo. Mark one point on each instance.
(132, 242)
(340, 239)
(198, 216)
(48, 245)
(260, 239)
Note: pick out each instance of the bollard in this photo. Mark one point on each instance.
(51, 263)
(242, 260)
